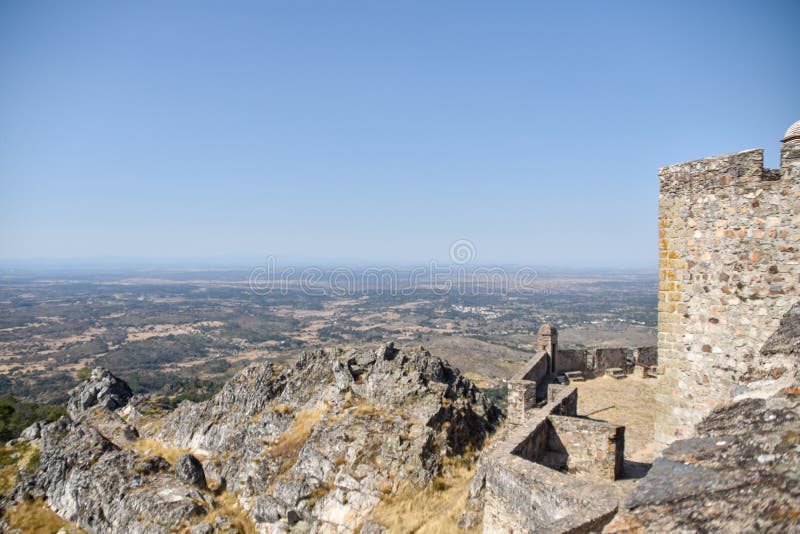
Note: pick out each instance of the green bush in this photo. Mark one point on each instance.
(16, 416)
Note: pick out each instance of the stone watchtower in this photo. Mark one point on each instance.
(729, 253)
(547, 341)
(790, 152)
(523, 386)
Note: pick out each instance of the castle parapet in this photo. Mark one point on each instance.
(740, 168)
(521, 398)
(729, 268)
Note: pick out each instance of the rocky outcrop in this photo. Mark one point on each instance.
(101, 389)
(87, 471)
(323, 442)
(314, 447)
(88, 480)
(740, 473)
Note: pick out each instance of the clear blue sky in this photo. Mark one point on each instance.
(374, 130)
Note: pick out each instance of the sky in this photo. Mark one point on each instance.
(374, 131)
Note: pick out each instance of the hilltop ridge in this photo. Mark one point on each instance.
(315, 446)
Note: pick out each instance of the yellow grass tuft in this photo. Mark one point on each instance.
(283, 409)
(28, 459)
(367, 409)
(434, 510)
(227, 505)
(34, 517)
(151, 447)
(287, 447)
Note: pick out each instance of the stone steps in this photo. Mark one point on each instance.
(575, 376)
(616, 372)
(651, 371)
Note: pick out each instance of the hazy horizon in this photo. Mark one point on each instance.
(240, 263)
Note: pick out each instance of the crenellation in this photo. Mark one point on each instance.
(729, 270)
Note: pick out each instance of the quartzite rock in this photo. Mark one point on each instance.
(311, 448)
(189, 469)
(102, 389)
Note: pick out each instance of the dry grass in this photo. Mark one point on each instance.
(368, 410)
(34, 517)
(151, 447)
(319, 492)
(8, 478)
(275, 407)
(434, 510)
(283, 409)
(8, 473)
(287, 447)
(227, 505)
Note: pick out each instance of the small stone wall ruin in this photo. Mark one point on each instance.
(595, 362)
(585, 447)
(552, 471)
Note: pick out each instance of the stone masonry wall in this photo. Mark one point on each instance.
(594, 448)
(522, 496)
(563, 400)
(729, 252)
(521, 398)
(646, 356)
(533, 447)
(536, 369)
(572, 360)
(596, 361)
(522, 483)
(608, 358)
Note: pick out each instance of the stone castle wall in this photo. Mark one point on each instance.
(521, 398)
(522, 493)
(572, 360)
(608, 358)
(591, 447)
(729, 252)
(646, 356)
(594, 362)
(536, 369)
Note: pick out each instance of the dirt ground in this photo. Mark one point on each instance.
(627, 401)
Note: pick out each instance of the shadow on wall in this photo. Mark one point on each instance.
(635, 470)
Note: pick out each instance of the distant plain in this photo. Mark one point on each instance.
(180, 333)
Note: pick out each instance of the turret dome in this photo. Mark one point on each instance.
(793, 132)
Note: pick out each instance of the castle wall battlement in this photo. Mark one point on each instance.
(729, 253)
(553, 473)
(716, 172)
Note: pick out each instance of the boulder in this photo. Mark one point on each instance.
(189, 469)
(32, 432)
(740, 473)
